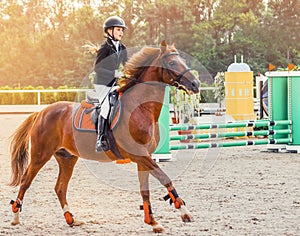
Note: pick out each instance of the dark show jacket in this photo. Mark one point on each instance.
(107, 61)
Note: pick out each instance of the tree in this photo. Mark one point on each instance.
(285, 18)
(41, 41)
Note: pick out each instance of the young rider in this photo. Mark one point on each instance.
(110, 55)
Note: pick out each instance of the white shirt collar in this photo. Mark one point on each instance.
(116, 43)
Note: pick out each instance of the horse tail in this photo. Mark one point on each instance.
(19, 149)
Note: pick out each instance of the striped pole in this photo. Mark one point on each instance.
(230, 144)
(230, 134)
(265, 123)
(230, 125)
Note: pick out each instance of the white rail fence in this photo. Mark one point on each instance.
(39, 92)
(38, 103)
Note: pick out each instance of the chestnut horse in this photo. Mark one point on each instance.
(50, 132)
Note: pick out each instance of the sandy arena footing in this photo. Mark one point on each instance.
(244, 191)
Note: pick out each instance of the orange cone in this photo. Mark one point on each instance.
(271, 67)
(290, 66)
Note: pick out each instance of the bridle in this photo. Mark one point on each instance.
(172, 76)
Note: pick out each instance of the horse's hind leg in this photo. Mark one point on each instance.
(36, 163)
(66, 166)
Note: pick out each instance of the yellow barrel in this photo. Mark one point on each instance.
(239, 95)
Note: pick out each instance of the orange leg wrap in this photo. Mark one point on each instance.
(173, 195)
(147, 213)
(69, 218)
(16, 205)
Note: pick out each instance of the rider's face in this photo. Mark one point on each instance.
(118, 32)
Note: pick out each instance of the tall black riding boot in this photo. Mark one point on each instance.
(102, 142)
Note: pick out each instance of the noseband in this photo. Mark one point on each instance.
(174, 81)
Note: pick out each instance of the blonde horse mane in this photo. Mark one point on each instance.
(140, 60)
(91, 47)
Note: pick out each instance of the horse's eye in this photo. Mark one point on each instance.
(172, 63)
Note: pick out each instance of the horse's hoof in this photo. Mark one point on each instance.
(15, 222)
(187, 218)
(77, 223)
(158, 228)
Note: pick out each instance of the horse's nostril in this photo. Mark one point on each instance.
(195, 86)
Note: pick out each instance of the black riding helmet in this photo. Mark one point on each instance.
(113, 21)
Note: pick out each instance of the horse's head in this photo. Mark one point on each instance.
(162, 64)
(175, 72)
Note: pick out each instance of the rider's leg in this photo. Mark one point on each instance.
(101, 143)
(102, 92)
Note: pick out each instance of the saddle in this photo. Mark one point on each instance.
(85, 119)
(86, 115)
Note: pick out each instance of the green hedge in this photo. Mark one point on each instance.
(28, 98)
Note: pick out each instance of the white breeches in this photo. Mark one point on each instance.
(102, 92)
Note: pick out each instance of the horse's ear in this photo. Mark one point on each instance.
(163, 46)
(174, 44)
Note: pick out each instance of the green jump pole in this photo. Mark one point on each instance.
(230, 134)
(230, 144)
(230, 125)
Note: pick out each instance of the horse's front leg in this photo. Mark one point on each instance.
(186, 216)
(144, 188)
(159, 174)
